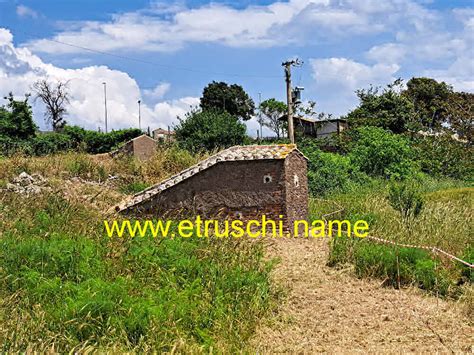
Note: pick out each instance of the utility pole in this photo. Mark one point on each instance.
(289, 100)
(139, 116)
(105, 104)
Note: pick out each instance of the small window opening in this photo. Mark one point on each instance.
(296, 180)
(267, 179)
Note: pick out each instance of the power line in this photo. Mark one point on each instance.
(151, 63)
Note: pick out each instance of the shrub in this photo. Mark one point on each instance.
(50, 143)
(378, 152)
(327, 172)
(444, 156)
(406, 199)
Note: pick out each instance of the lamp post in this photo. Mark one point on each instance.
(139, 115)
(105, 104)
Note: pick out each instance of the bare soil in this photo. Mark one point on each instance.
(330, 310)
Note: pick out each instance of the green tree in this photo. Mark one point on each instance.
(16, 119)
(229, 98)
(460, 113)
(208, 130)
(272, 110)
(386, 109)
(378, 152)
(430, 101)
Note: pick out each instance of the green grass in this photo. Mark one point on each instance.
(63, 283)
(133, 187)
(445, 222)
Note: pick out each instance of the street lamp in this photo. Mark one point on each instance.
(105, 104)
(139, 115)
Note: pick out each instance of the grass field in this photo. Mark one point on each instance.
(65, 286)
(446, 222)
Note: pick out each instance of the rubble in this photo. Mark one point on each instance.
(26, 184)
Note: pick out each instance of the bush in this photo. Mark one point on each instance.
(50, 143)
(406, 199)
(70, 138)
(327, 172)
(378, 152)
(444, 156)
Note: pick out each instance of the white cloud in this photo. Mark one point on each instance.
(443, 49)
(25, 11)
(336, 80)
(19, 69)
(387, 53)
(350, 75)
(170, 110)
(460, 74)
(165, 27)
(158, 92)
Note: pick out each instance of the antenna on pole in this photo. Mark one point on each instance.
(289, 99)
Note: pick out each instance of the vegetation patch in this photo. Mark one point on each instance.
(71, 285)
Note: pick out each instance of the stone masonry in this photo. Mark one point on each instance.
(241, 182)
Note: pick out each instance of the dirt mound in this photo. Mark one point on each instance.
(329, 310)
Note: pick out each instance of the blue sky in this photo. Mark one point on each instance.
(178, 47)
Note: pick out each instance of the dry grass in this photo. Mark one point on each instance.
(447, 219)
(330, 311)
(166, 162)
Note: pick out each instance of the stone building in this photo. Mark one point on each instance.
(241, 182)
(142, 147)
(163, 135)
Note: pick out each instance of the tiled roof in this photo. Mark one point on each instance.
(236, 153)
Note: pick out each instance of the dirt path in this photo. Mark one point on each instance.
(329, 310)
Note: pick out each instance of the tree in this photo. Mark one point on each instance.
(55, 97)
(430, 100)
(208, 130)
(16, 119)
(272, 111)
(230, 98)
(460, 114)
(386, 109)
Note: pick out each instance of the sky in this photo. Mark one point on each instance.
(165, 52)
